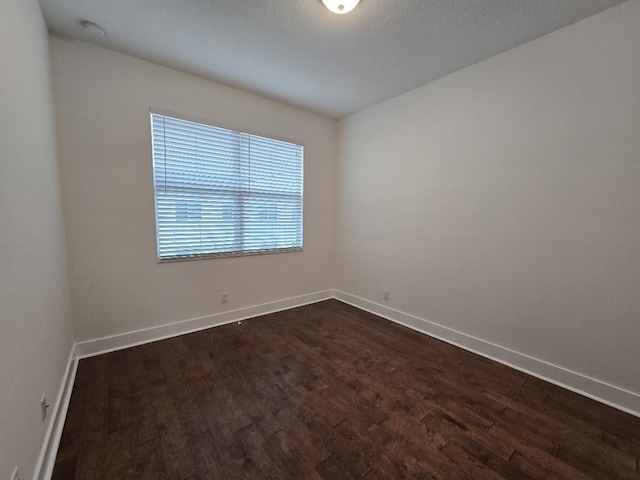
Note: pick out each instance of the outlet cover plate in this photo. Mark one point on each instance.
(44, 406)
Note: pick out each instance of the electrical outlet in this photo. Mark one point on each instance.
(44, 406)
(16, 474)
(224, 298)
(386, 295)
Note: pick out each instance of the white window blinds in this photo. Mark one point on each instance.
(220, 192)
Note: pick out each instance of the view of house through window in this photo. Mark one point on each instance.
(221, 192)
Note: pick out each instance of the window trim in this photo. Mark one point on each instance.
(207, 256)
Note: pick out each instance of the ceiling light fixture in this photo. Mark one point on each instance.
(341, 6)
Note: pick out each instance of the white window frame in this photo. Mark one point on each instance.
(237, 253)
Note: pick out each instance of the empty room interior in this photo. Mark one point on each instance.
(323, 239)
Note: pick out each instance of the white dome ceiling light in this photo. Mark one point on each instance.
(341, 6)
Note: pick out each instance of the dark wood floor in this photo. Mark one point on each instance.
(330, 392)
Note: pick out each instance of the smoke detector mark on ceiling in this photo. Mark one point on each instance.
(91, 28)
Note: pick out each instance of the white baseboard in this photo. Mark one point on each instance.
(130, 339)
(47, 458)
(589, 387)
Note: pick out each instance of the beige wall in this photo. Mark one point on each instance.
(503, 201)
(103, 100)
(35, 318)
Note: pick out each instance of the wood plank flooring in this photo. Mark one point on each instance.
(327, 391)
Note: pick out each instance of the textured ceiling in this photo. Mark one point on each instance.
(298, 52)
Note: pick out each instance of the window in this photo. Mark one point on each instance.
(220, 192)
